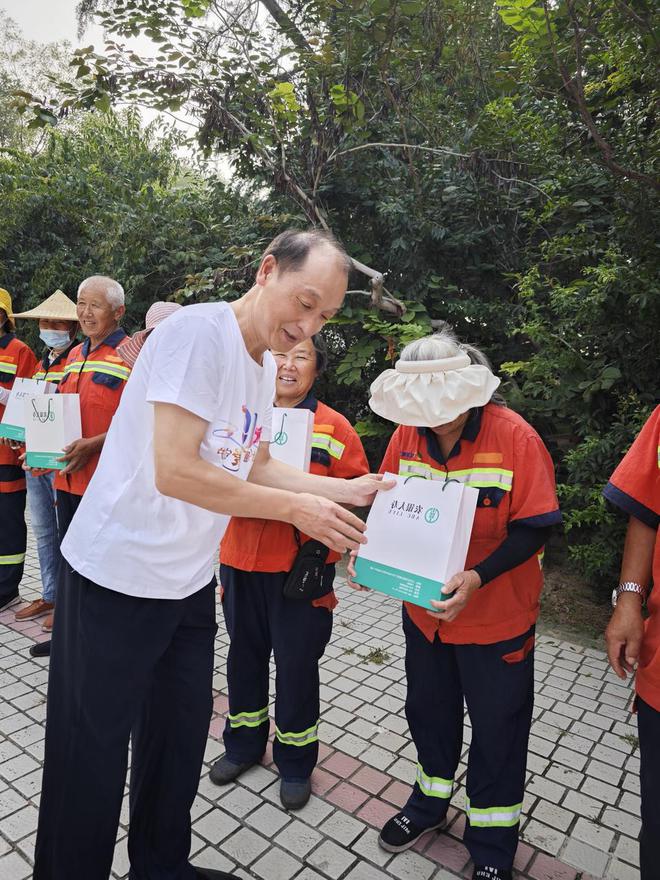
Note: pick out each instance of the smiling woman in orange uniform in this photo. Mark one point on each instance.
(256, 557)
(478, 645)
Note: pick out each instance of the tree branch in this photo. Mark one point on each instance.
(574, 88)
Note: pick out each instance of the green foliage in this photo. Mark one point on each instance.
(495, 160)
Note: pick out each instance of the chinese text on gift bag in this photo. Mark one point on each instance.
(51, 423)
(13, 419)
(418, 535)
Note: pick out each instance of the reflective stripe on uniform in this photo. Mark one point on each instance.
(478, 478)
(6, 367)
(325, 441)
(299, 739)
(12, 559)
(248, 719)
(433, 786)
(51, 376)
(493, 817)
(98, 367)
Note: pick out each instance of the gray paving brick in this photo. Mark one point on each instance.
(314, 811)
(367, 847)
(582, 804)
(343, 828)
(276, 865)
(240, 801)
(244, 846)
(21, 823)
(542, 836)
(268, 820)
(586, 858)
(330, 859)
(215, 825)
(617, 870)
(411, 866)
(298, 838)
(551, 814)
(363, 871)
(595, 835)
(14, 867)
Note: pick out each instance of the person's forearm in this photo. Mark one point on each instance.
(207, 486)
(97, 442)
(521, 543)
(278, 475)
(638, 549)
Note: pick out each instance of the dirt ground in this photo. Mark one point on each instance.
(572, 609)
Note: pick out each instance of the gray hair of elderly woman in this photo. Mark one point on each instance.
(445, 344)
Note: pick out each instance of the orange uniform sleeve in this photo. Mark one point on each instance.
(27, 363)
(634, 487)
(353, 462)
(390, 460)
(533, 492)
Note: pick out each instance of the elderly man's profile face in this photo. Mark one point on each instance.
(295, 304)
(97, 316)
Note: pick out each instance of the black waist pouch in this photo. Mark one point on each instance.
(308, 578)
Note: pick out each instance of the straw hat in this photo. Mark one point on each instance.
(5, 305)
(58, 307)
(431, 393)
(129, 349)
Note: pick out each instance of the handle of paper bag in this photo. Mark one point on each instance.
(447, 482)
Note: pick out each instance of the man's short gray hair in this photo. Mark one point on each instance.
(114, 292)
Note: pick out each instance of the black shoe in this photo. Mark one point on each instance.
(484, 872)
(400, 833)
(41, 649)
(225, 771)
(7, 602)
(214, 874)
(294, 794)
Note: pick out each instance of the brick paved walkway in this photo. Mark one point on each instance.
(581, 811)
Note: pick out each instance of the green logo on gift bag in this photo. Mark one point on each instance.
(41, 416)
(432, 515)
(281, 437)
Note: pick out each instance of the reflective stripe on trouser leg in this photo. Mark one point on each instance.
(248, 719)
(304, 738)
(493, 817)
(498, 680)
(13, 538)
(246, 618)
(433, 786)
(434, 709)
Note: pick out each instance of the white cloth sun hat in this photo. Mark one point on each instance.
(431, 393)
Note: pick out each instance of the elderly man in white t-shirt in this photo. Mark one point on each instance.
(134, 635)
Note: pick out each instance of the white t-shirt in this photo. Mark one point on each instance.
(127, 536)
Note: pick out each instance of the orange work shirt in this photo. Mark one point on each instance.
(99, 377)
(505, 459)
(634, 487)
(53, 371)
(17, 361)
(268, 545)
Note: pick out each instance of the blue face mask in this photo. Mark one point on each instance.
(55, 338)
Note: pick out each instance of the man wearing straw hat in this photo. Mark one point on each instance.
(16, 361)
(58, 324)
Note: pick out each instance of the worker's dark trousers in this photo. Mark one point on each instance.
(260, 621)
(13, 531)
(497, 683)
(648, 721)
(122, 664)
